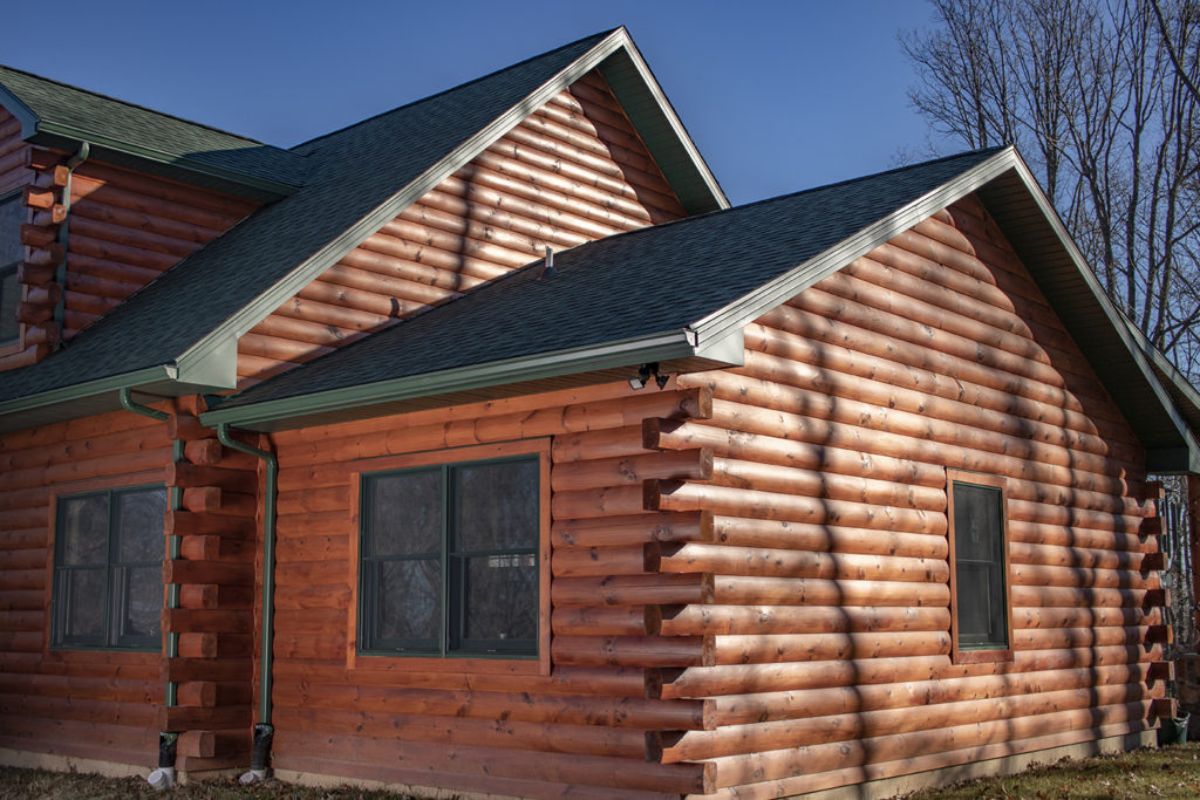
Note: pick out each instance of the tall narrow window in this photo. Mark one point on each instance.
(979, 567)
(449, 559)
(108, 555)
(12, 213)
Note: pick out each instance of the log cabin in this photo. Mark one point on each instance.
(481, 447)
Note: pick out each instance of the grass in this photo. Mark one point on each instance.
(1172, 772)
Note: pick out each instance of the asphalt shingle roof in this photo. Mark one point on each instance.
(642, 283)
(350, 173)
(171, 139)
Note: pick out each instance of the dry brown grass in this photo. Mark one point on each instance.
(1170, 772)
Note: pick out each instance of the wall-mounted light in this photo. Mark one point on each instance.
(643, 377)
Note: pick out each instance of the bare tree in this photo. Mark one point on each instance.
(1100, 98)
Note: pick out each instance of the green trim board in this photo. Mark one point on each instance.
(265, 416)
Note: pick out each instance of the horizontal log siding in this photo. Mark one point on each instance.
(581, 729)
(100, 705)
(829, 615)
(15, 175)
(126, 229)
(574, 171)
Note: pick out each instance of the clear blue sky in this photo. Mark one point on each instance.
(779, 96)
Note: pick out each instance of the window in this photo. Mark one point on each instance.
(449, 559)
(108, 553)
(12, 213)
(978, 568)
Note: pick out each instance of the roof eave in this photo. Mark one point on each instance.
(52, 134)
(78, 400)
(675, 347)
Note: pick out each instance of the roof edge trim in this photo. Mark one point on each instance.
(1124, 330)
(704, 172)
(54, 134)
(79, 391)
(752, 305)
(24, 114)
(252, 313)
(659, 347)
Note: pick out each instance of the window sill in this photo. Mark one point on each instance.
(500, 665)
(58, 654)
(981, 656)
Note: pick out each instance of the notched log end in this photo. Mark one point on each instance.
(697, 403)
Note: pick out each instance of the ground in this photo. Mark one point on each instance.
(1172, 772)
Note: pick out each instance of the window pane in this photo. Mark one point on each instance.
(140, 525)
(85, 594)
(406, 513)
(497, 506)
(977, 534)
(501, 598)
(10, 298)
(143, 602)
(12, 214)
(409, 607)
(83, 526)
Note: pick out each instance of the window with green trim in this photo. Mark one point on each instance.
(12, 214)
(108, 553)
(449, 560)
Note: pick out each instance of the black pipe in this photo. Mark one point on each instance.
(260, 757)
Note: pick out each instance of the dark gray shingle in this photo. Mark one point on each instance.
(99, 118)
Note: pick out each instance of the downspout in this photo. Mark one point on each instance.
(164, 776)
(64, 233)
(264, 731)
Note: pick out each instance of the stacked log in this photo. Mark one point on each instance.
(126, 229)
(825, 623)
(475, 724)
(16, 176)
(573, 171)
(216, 574)
(83, 704)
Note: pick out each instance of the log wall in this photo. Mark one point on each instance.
(125, 229)
(87, 704)
(830, 620)
(498, 726)
(575, 170)
(15, 175)
(109, 705)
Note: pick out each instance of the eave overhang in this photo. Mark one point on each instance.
(52, 134)
(674, 351)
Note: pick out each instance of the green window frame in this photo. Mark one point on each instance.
(108, 553)
(12, 252)
(449, 560)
